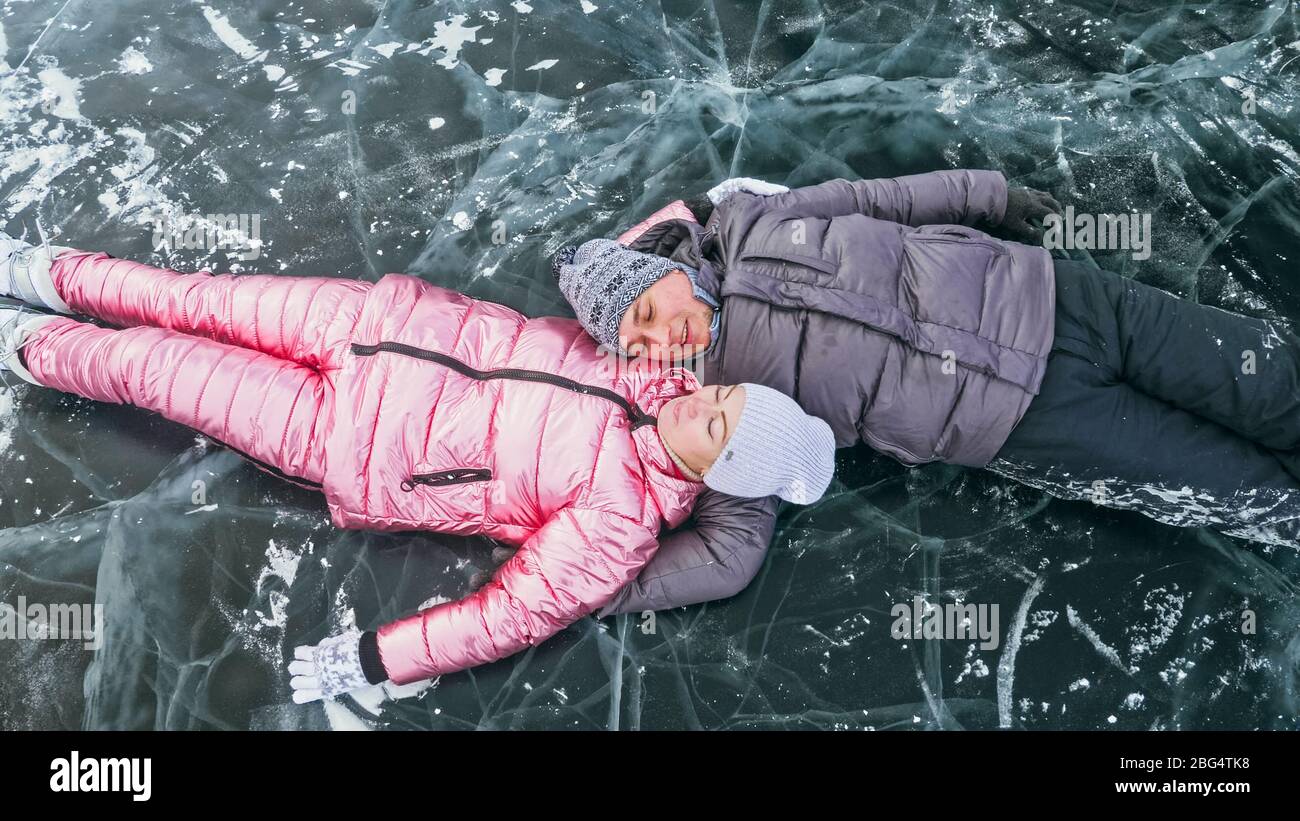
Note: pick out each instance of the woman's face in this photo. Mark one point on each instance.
(698, 425)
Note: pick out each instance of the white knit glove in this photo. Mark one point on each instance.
(726, 188)
(328, 669)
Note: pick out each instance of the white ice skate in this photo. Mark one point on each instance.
(25, 273)
(17, 322)
(11, 316)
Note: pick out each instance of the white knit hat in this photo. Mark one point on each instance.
(776, 449)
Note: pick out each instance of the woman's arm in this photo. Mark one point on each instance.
(548, 585)
(566, 570)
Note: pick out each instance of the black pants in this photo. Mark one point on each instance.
(1186, 413)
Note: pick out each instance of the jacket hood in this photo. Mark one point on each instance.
(687, 243)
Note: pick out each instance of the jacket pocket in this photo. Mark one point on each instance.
(962, 234)
(454, 476)
(944, 278)
(897, 452)
(815, 263)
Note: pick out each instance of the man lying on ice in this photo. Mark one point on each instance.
(882, 307)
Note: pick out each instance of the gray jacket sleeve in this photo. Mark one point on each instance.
(963, 197)
(712, 557)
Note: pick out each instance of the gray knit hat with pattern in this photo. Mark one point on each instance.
(601, 278)
(776, 449)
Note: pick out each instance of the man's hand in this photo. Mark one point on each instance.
(1026, 210)
(328, 669)
(726, 188)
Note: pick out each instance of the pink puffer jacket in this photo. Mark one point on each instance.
(462, 416)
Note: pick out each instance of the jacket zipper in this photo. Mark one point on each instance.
(455, 476)
(635, 415)
(700, 240)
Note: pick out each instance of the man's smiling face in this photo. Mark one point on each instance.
(667, 323)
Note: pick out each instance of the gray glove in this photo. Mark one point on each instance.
(1025, 207)
(328, 669)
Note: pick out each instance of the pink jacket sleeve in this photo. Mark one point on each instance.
(962, 197)
(571, 566)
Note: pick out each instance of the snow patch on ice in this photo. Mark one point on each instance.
(230, 36)
(135, 174)
(387, 49)
(1007, 664)
(450, 36)
(8, 418)
(281, 563)
(59, 96)
(133, 61)
(1105, 650)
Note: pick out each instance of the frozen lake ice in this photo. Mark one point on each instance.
(465, 142)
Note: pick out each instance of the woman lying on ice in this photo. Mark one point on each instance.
(417, 408)
(883, 309)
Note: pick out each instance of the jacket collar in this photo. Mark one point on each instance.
(672, 493)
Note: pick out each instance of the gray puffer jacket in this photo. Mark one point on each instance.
(878, 307)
